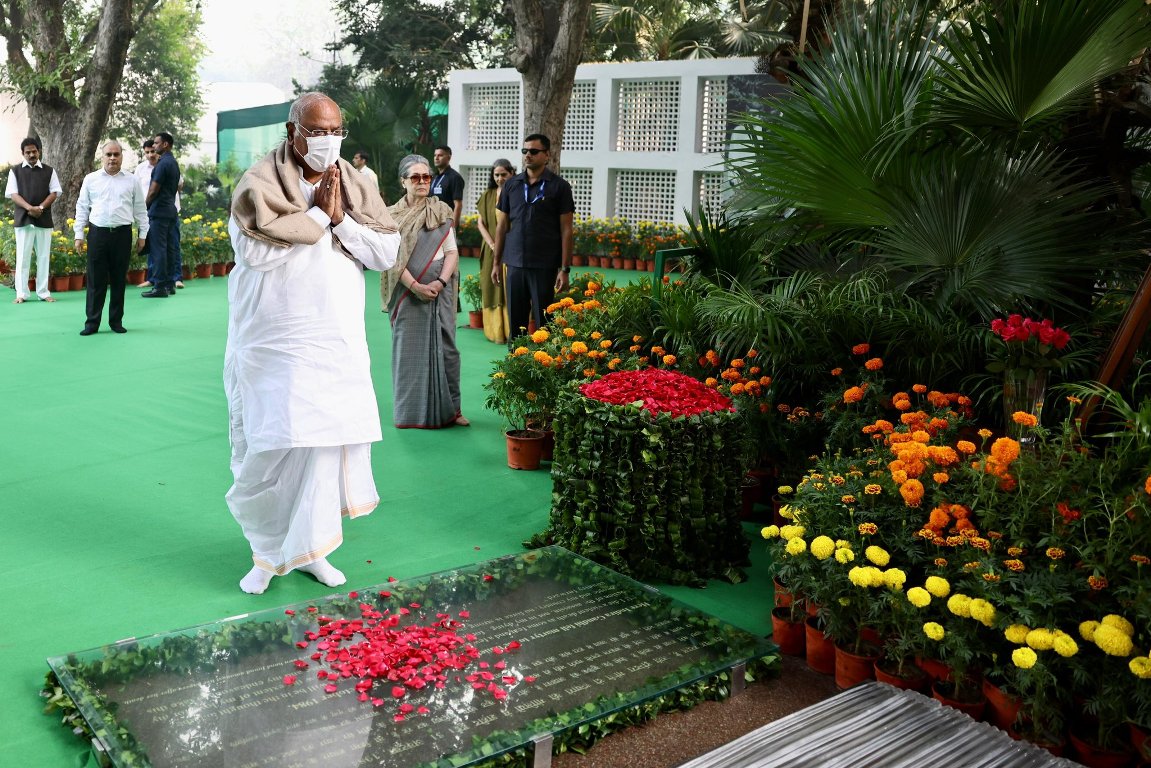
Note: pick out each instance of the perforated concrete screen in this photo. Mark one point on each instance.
(713, 114)
(476, 181)
(493, 116)
(645, 195)
(711, 192)
(648, 113)
(579, 130)
(581, 181)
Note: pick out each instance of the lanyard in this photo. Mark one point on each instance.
(539, 195)
(439, 178)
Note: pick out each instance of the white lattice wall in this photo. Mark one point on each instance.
(648, 116)
(579, 130)
(712, 192)
(643, 141)
(713, 114)
(644, 195)
(493, 116)
(475, 182)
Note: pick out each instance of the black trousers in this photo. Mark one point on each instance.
(529, 292)
(108, 254)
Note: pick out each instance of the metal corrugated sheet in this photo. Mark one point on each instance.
(877, 725)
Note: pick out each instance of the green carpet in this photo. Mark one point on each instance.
(113, 470)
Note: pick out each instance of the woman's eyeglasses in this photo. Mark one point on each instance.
(532, 151)
(420, 178)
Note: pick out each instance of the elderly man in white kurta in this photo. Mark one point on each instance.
(302, 407)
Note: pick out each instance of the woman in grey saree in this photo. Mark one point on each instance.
(419, 295)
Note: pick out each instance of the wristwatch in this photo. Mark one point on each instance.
(567, 270)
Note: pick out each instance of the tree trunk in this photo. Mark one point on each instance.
(549, 40)
(68, 110)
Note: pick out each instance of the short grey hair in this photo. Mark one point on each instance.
(111, 143)
(301, 105)
(409, 161)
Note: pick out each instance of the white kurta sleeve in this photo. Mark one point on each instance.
(375, 250)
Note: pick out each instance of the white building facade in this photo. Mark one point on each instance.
(643, 141)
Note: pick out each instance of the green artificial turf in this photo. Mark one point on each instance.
(113, 469)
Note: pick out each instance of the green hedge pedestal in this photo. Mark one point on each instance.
(649, 493)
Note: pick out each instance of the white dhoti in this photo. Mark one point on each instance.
(290, 501)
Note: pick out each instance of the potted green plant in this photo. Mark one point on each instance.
(468, 238)
(474, 297)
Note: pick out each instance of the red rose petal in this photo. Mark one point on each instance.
(331, 688)
(289, 679)
(398, 691)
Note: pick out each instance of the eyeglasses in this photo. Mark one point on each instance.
(341, 132)
(420, 178)
(533, 152)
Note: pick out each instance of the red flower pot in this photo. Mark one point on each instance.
(579, 260)
(1002, 707)
(852, 668)
(76, 282)
(629, 263)
(475, 318)
(525, 447)
(820, 651)
(1140, 741)
(942, 691)
(783, 595)
(203, 270)
(934, 668)
(790, 636)
(219, 269)
(1097, 757)
(912, 679)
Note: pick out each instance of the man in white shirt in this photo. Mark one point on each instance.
(110, 201)
(301, 404)
(33, 187)
(360, 160)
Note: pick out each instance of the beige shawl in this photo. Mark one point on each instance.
(428, 213)
(269, 206)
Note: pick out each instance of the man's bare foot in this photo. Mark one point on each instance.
(256, 581)
(324, 573)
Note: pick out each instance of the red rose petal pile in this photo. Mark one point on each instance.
(658, 390)
(375, 648)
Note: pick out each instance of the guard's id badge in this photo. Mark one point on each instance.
(438, 191)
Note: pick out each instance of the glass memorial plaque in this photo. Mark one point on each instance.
(443, 670)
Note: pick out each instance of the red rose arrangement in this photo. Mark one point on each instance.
(1028, 343)
(659, 391)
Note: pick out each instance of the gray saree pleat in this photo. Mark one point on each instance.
(425, 361)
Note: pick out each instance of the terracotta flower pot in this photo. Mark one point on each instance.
(476, 319)
(852, 668)
(76, 282)
(524, 448)
(579, 260)
(1097, 757)
(942, 691)
(912, 679)
(219, 269)
(783, 595)
(820, 651)
(934, 668)
(203, 270)
(629, 263)
(617, 262)
(790, 636)
(1002, 707)
(1140, 741)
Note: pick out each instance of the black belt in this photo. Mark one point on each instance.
(109, 229)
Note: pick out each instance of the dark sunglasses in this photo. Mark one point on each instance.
(421, 178)
(533, 152)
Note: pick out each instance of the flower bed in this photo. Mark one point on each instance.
(646, 477)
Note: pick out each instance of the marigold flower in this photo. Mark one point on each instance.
(1041, 639)
(633, 348)
(1113, 641)
(614, 363)
(1120, 623)
(1014, 565)
(1087, 630)
(874, 364)
(984, 433)
(836, 371)
(579, 348)
(934, 631)
(1055, 553)
(1140, 666)
(1025, 419)
(1097, 582)
(1017, 633)
(991, 577)
(871, 489)
(796, 546)
(960, 605)
(822, 547)
(657, 350)
(912, 492)
(983, 612)
(605, 344)
(669, 359)
(787, 512)
(965, 446)
(790, 532)
(877, 555)
(861, 349)
(980, 543)
(941, 562)
(520, 351)
(894, 578)
(940, 477)
(569, 332)
(785, 490)
(1065, 645)
(919, 597)
(769, 531)
(752, 353)
(853, 395)
(1140, 559)
(737, 363)
(637, 338)
(867, 529)
(540, 336)
(844, 556)
(1024, 658)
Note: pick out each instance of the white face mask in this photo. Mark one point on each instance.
(322, 151)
